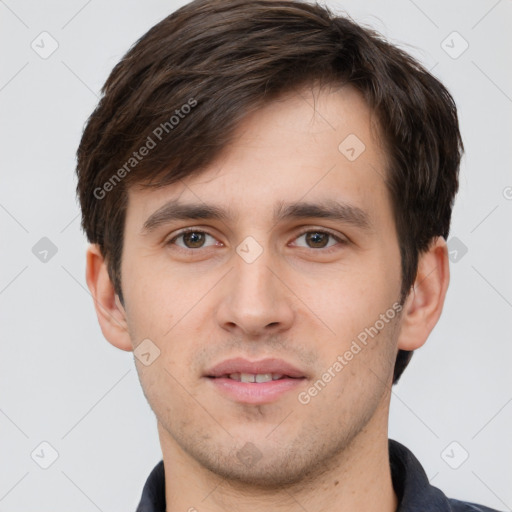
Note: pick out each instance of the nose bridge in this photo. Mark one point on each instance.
(253, 282)
(254, 298)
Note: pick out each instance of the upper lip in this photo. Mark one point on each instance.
(241, 365)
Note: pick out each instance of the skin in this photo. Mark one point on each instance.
(300, 300)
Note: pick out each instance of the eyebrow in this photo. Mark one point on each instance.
(326, 209)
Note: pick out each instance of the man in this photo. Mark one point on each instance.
(267, 189)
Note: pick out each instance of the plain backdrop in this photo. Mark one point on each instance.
(63, 384)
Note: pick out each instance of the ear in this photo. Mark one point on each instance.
(111, 313)
(424, 303)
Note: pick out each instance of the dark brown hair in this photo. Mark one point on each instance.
(183, 87)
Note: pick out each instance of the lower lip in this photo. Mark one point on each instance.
(255, 392)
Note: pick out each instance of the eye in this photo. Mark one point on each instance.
(192, 239)
(318, 239)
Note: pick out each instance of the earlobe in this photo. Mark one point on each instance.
(111, 313)
(425, 301)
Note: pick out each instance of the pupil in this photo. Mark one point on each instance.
(313, 237)
(195, 238)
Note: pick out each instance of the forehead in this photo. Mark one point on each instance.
(313, 145)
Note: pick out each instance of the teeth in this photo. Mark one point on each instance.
(251, 377)
(265, 377)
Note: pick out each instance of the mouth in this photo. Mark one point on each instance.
(265, 370)
(256, 382)
(256, 378)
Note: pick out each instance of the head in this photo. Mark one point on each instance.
(247, 106)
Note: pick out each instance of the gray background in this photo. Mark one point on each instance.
(62, 383)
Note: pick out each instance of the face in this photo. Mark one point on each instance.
(270, 281)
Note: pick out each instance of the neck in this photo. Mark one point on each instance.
(359, 478)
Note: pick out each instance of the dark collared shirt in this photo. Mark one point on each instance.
(413, 490)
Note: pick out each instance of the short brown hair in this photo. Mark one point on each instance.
(224, 58)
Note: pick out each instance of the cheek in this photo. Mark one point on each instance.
(166, 308)
(358, 348)
(156, 298)
(346, 301)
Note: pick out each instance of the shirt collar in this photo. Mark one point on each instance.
(153, 494)
(410, 482)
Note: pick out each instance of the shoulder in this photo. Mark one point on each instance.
(413, 488)
(464, 506)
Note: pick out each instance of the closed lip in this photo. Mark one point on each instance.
(241, 365)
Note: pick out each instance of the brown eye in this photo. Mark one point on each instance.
(191, 239)
(316, 239)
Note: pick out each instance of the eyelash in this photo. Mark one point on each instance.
(321, 231)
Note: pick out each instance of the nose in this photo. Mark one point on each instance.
(255, 299)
